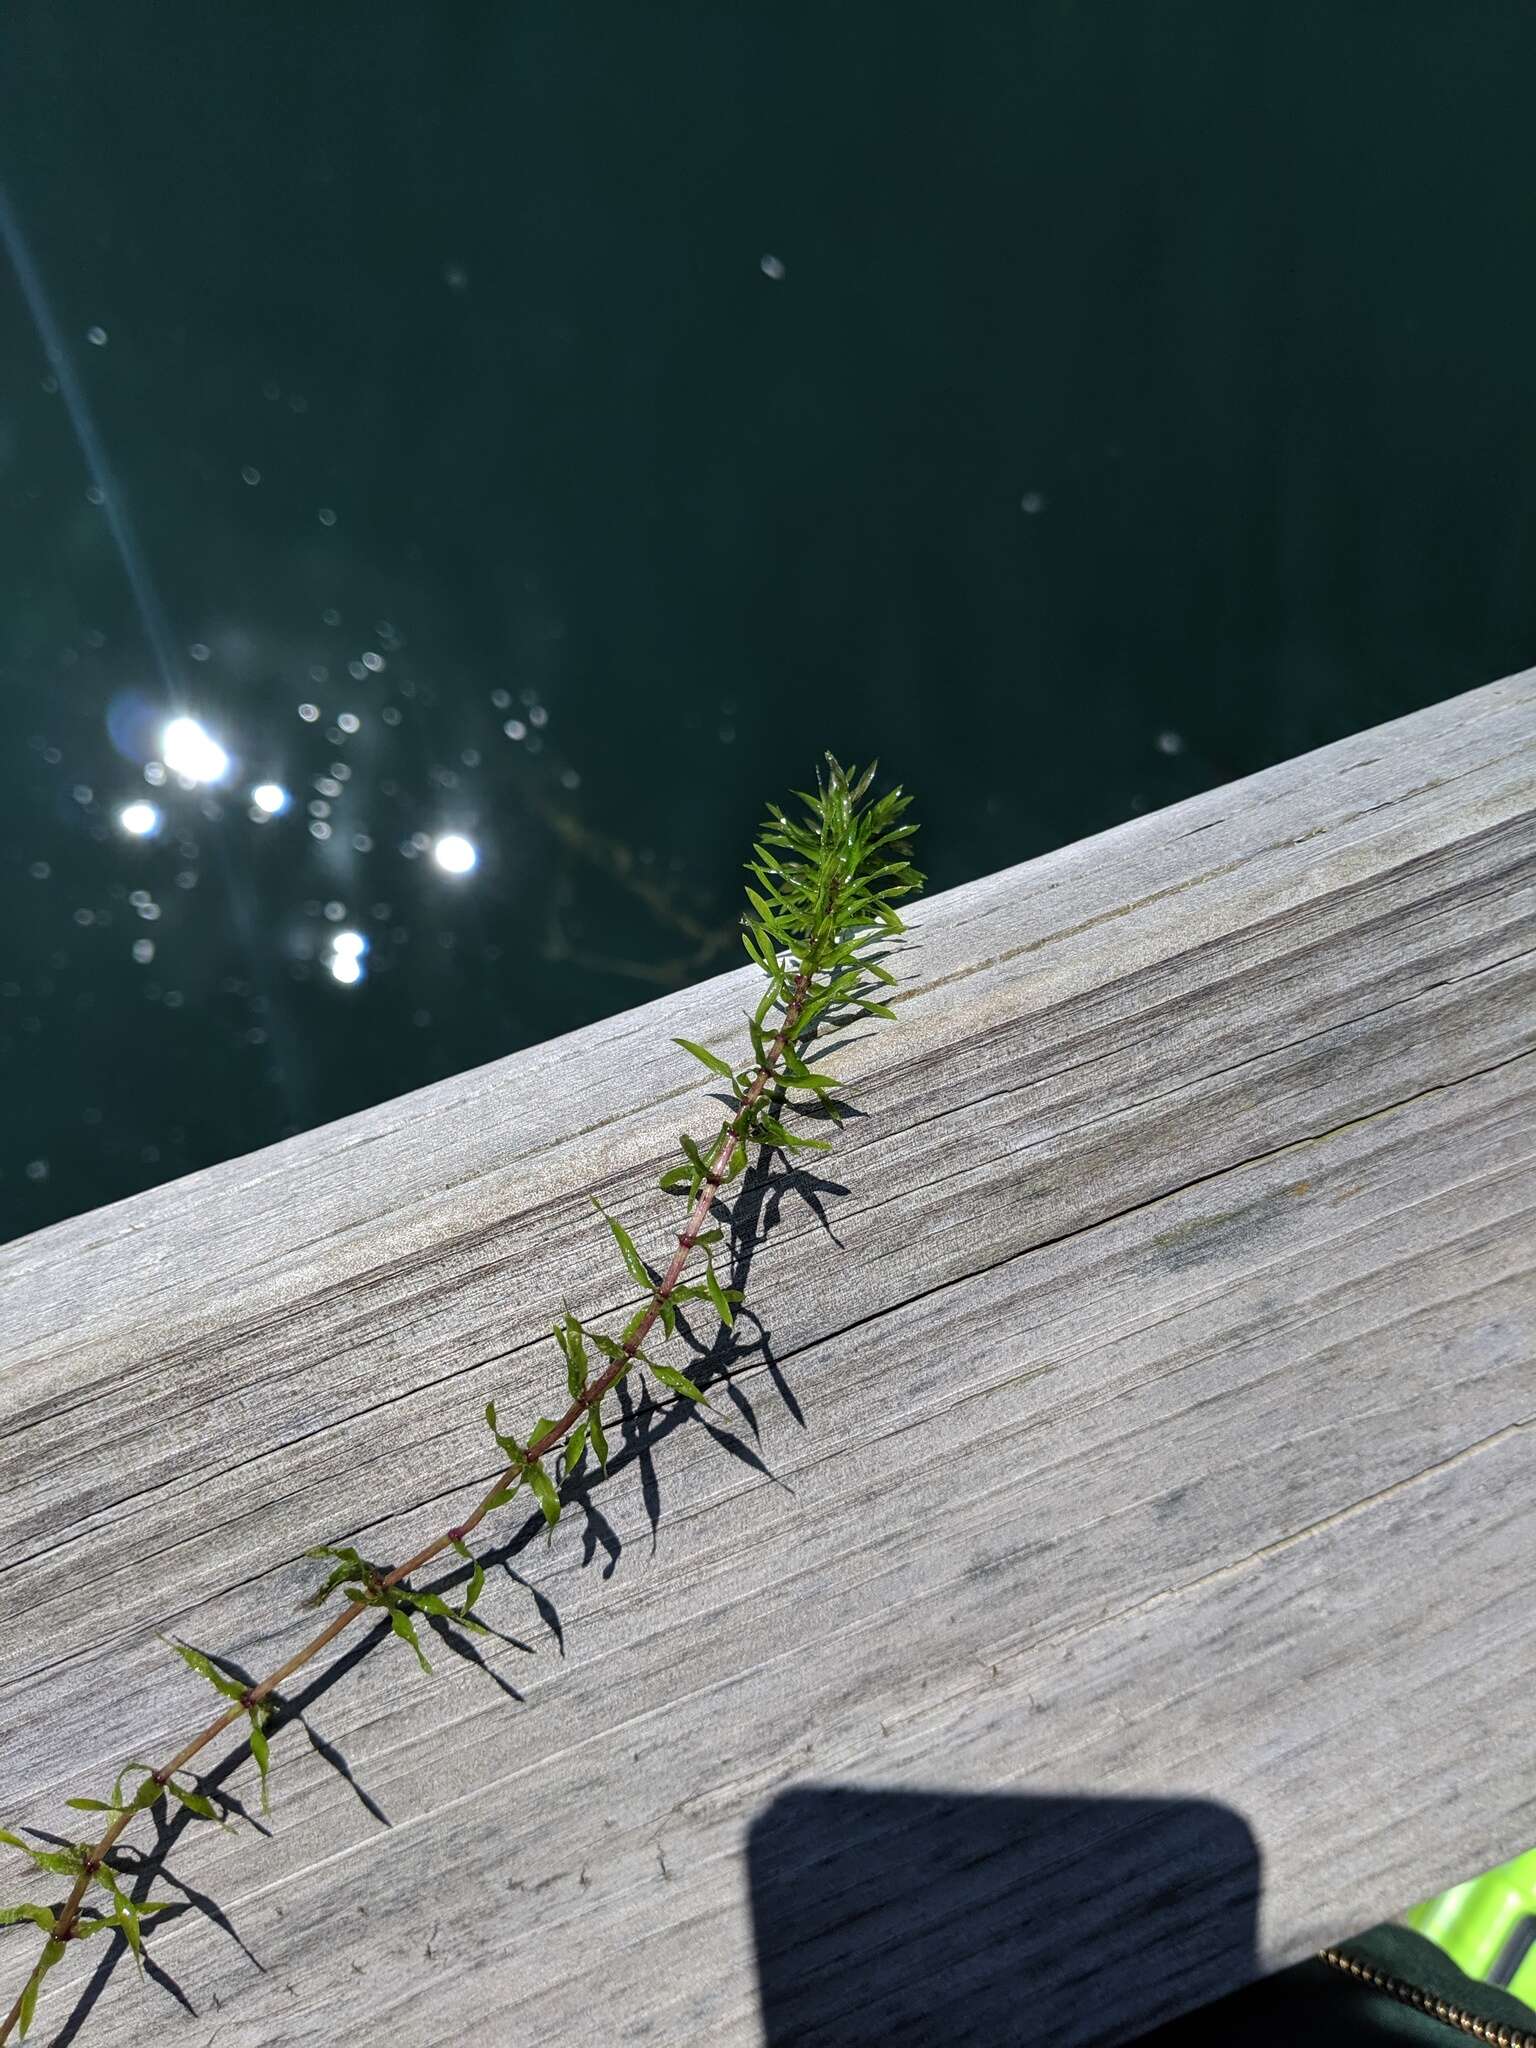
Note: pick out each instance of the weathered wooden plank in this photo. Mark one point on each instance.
(1145, 1414)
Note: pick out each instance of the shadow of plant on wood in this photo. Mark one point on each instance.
(140, 1870)
(645, 1425)
(720, 1360)
(823, 905)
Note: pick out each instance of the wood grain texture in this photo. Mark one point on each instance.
(1127, 1470)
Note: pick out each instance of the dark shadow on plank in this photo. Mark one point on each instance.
(913, 1919)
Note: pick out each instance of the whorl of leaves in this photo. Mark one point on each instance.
(821, 901)
(821, 904)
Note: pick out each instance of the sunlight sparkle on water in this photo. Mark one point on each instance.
(346, 967)
(191, 752)
(455, 854)
(140, 820)
(270, 797)
(349, 945)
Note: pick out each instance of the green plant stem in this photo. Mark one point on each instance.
(549, 1440)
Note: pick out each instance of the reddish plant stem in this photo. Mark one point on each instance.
(65, 1922)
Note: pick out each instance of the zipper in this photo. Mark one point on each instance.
(1495, 2031)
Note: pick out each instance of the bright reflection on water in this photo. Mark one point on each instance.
(345, 960)
(190, 751)
(139, 819)
(455, 854)
(238, 1020)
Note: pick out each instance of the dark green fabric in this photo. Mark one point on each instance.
(1320, 2006)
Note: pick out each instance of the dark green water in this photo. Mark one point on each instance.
(1132, 397)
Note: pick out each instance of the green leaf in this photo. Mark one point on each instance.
(509, 1444)
(53, 1952)
(878, 1010)
(709, 1237)
(773, 1132)
(434, 1603)
(231, 1688)
(738, 1162)
(712, 1060)
(405, 1629)
(501, 1496)
(60, 1862)
(678, 1382)
(40, 1916)
(351, 1569)
(717, 1296)
(128, 1923)
(93, 1805)
(195, 1802)
(476, 1584)
(575, 1444)
(626, 1245)
(674, 1180)
(545, 1493)
(148, 1792)
(599, 1440)
(263, 1755)
(769, 919)
(815, 1006)
(573, 1344)
(126, 1916)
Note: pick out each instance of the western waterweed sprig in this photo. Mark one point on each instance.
(822, 899)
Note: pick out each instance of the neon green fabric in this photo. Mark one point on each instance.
(1474, 1922)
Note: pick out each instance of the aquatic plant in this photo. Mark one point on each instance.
(820, 905)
